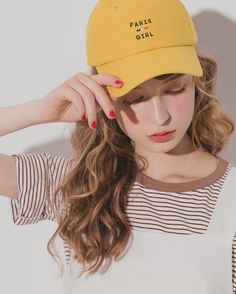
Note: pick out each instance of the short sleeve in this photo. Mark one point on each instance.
(38, 176)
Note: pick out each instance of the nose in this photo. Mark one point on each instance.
(158, 111)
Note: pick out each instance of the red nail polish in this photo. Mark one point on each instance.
(83, 117)
(118, 82)
(112, 114)
(94, 125)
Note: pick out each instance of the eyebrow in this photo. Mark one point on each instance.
(166, 80)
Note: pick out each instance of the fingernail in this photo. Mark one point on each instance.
(118, 82)
(112, 114)
(83, 117)
(94, 125)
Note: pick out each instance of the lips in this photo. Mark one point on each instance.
(162, 133)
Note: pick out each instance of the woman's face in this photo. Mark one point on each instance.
(155, 106)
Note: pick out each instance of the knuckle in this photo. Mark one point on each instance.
(69, 82)
(80, 74)
(65, 88)
(88, 95)
(65, 82)
(75, 82)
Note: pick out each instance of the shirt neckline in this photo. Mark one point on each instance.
(151, 183)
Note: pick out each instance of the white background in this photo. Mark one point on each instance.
(42, 44)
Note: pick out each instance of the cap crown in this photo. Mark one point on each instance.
(119, 28)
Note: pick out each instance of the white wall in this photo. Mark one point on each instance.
(42, 44)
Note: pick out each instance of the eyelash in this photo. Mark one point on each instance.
(137, 100)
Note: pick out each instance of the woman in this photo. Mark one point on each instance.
(146, 204)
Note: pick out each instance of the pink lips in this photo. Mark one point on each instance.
(162, 133)
(162, 138)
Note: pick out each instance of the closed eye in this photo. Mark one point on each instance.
(166, 92)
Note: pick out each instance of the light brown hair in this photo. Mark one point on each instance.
(94, 193)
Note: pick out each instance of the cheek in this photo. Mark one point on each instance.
(127, 120)
(124, 114)
(184, 108)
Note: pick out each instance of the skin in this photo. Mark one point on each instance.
(159, 111)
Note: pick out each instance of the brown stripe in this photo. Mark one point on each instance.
(186, 186)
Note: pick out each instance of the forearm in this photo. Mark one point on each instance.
(20, 116)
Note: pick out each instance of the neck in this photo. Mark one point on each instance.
(178, 161)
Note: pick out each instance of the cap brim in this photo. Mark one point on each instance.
(136, 69)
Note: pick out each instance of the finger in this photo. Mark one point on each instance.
(88, 100)
(107, 80)
(76, 99)
(99, 92)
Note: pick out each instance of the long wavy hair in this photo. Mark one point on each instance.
(94, 193)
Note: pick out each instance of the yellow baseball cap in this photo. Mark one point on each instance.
(136, 40)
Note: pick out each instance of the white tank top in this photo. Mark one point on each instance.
(156, 262)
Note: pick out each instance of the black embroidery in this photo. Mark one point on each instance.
(142, 27)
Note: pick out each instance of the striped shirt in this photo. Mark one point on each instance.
(173, 208)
